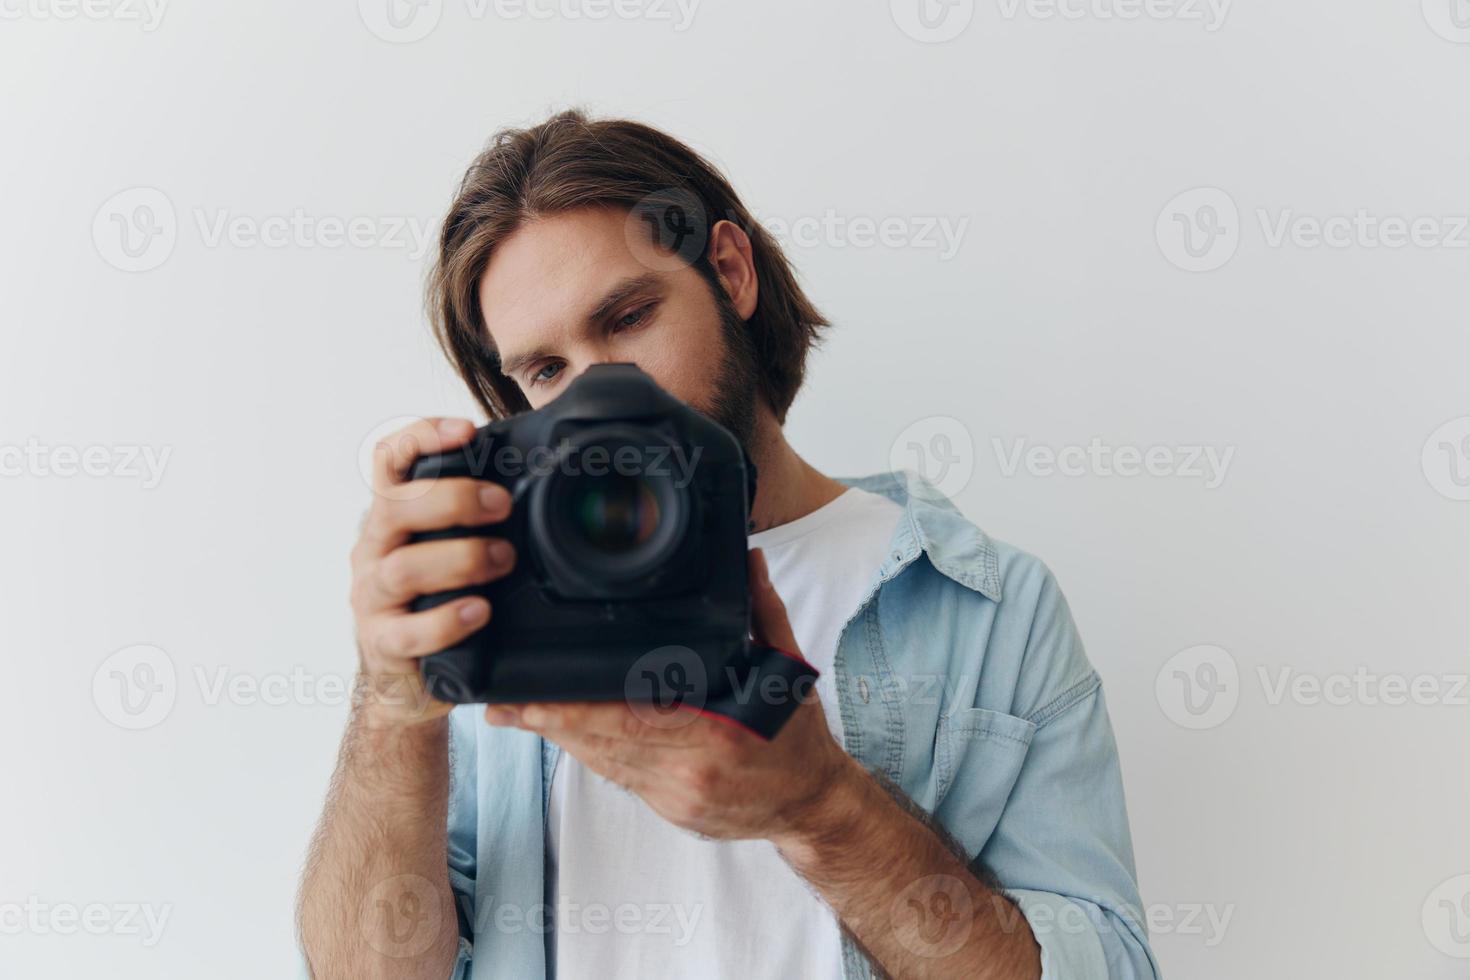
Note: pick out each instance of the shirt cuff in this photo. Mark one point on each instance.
(1070, 946)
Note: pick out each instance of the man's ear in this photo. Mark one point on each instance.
(731, 257)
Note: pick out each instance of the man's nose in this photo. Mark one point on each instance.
(603, 357)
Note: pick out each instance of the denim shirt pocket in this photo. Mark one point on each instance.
(979, 754)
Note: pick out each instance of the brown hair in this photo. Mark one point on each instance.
(570, 161)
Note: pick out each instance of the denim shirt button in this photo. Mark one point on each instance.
(863, 689)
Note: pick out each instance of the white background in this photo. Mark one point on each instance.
(1330, 834)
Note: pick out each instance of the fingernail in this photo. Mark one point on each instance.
(492, 498)
(501, 552)
(474, 611)
(454, 428)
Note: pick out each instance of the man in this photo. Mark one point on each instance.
(950, 805)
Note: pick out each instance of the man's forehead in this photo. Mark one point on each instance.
(551, 272)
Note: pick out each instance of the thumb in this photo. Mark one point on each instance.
(768, 622)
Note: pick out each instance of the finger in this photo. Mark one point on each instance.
(393, 642)
(445, 503)
(768, 621)
(437, 566)
(395, 453)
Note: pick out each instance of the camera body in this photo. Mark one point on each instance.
(629, 518)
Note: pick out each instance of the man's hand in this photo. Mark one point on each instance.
(388, 572)
(870, 858)
(707, 775)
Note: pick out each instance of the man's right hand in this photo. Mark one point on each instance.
(388, 572)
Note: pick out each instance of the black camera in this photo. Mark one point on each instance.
(629, 518)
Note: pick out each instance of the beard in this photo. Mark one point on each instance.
(733, 402)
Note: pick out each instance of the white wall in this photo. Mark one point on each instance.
(1331, 835)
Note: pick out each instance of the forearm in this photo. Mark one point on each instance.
(375, 898)
(910, 901)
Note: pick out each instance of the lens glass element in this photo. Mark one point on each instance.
(613, 514)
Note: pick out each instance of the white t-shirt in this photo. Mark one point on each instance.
(637, 898)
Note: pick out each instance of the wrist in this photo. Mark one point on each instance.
(395, 755)
(831, 817)
(395, 702)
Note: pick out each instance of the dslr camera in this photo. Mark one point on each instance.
(629, 517)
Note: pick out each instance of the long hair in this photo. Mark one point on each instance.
(569, 162)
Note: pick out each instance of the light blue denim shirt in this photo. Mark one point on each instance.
(960, 677)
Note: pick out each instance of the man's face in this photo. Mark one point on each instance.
(583, 287)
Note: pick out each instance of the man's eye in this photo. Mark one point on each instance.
(542, 377)
(632, 319)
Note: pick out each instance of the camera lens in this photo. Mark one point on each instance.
(613, 513)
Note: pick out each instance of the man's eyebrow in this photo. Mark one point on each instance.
(513, 365)
(620, 293)
(617, 295)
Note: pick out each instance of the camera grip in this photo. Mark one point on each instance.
(770, 692)
(455, 674)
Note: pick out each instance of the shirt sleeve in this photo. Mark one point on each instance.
(1061, 848)
(462, 822)
(1062, 852)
